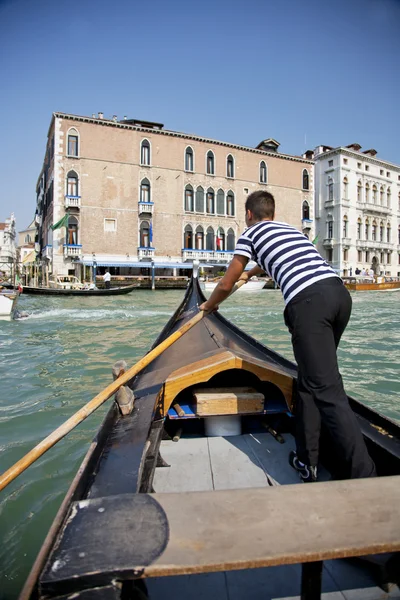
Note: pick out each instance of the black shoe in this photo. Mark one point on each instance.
(306, 473)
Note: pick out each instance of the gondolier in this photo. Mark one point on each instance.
(107, 279)
(318, 308)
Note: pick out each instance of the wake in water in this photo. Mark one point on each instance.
(65, 314)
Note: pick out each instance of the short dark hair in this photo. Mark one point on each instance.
(261, 204)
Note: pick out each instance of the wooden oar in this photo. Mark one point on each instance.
(97, 401)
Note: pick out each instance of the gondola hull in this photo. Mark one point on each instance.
(122, 460)
(117, 291)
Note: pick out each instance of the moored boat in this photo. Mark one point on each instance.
(254, 285)
(363, 283)
(112, 530)
(48, 291)
(8, 302)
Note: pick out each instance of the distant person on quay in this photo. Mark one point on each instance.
(318, 308)
(107, 279)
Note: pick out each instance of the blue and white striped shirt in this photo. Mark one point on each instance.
(285, 254)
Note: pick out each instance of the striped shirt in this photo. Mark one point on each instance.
(285, 254)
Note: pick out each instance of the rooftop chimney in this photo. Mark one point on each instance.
(93, 115)
(101, 115)
(370, 152)
(268, 145)
(114, 118)
(355, 147)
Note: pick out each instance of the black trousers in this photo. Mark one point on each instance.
(107, 285)
(316, 319)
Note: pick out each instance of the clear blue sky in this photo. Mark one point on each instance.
(238, 71)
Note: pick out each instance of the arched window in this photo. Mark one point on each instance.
(230, 204)
(230, 166)
(263, 172)
(220, 239)
(345, 224)
(374, 231)
(230, 244)
(398, 239)
(359, 191)
(199, 238)
(210, 239)
(305, 210)
(389, 199)
(210, 163)
(28, 239)
(72, 184)
(329, 227)
(398, 208)
(381, 231)
(145, 155)
(220, 202)
(144, 234)
(189, 198)
(388, 236)
(306, 180)
(189, 162)
(72, 231)
(382, 195)
(188, 241)
(200, 199)
(345, 188)
(330, 188)
(367, 192)
(374, 194)
(210, 202)
(145, 195)
(359, 224)
(73, 143)
(367, 229)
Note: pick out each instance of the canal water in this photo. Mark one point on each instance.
(57, 359)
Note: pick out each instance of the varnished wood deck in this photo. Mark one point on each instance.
(205, 464)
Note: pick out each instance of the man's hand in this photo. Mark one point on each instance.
(208, 309)
(244, 277)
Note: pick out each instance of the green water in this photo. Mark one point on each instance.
(61, 356)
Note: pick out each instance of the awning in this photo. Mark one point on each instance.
(29, 258)
(138, 265)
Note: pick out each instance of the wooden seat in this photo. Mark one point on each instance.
(228, 401)
(153, 535)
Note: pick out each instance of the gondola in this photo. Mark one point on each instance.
(115, 291)
(156, 503)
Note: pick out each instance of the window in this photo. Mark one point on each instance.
(200, 199)
(220, 240)
(210, 239)
(345, 254)
(359, 191)
(374, 230)
(367, 256)
(367, 229)
(330, 228)
(145, 191)
(345, 188)
(398, 239)
(382, 257)
(72, 184)
(367, 194)
(389, 258)
(145, 153)
(374, 194)
(110, 224)
(330, 189)
(389, 202)
(72, 144)
(230, 245)
(330, 163)
(188, 235)
(199, 238)
(263, 172)
(27, 239)
(306, 180)
(381, 195)
(230, 166)
(210, 163)
(381, 231)
(189, 162)
(387, 173)
(189, 199)
(72, 231)
(210, 201)
(330, 255)
(367, 167)
(220, 202)
(230, 205)
(381, 172)
(359, 256)
(305, 210)
(359, 229)
(388, 233)
(144, 235)
(345, 223)
(345, 161)
(358, 165)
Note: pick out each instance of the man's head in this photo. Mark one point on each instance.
(260, 206)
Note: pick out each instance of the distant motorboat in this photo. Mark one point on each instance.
(253, 285)
(366, 283)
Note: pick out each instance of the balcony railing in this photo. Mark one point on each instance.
(47, 250)
(328, 242)
(372, 244)
(375, 208)
(146, 252)
(71, 250)
(306, 223)
(208, 255)
(72, 202)
(146, 208)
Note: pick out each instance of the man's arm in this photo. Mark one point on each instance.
(224, 287)
(246, 275)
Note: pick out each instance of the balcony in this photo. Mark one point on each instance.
(207, 255)
(72, 250)
(346, 242)
(146, 208)
(306, 223)
(146, 253)
(47, 251)
(376, 208)
(328, 242)
(345, 202)
(72, 201)
(38, 219)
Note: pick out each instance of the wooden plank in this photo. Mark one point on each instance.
(233, 464)
(151, 535)
(227, 401)
(190, 469)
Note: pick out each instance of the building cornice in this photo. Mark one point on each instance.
(187, 136)
(358, 155)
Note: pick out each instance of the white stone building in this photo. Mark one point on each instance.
(8, 248)
(357, 209)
